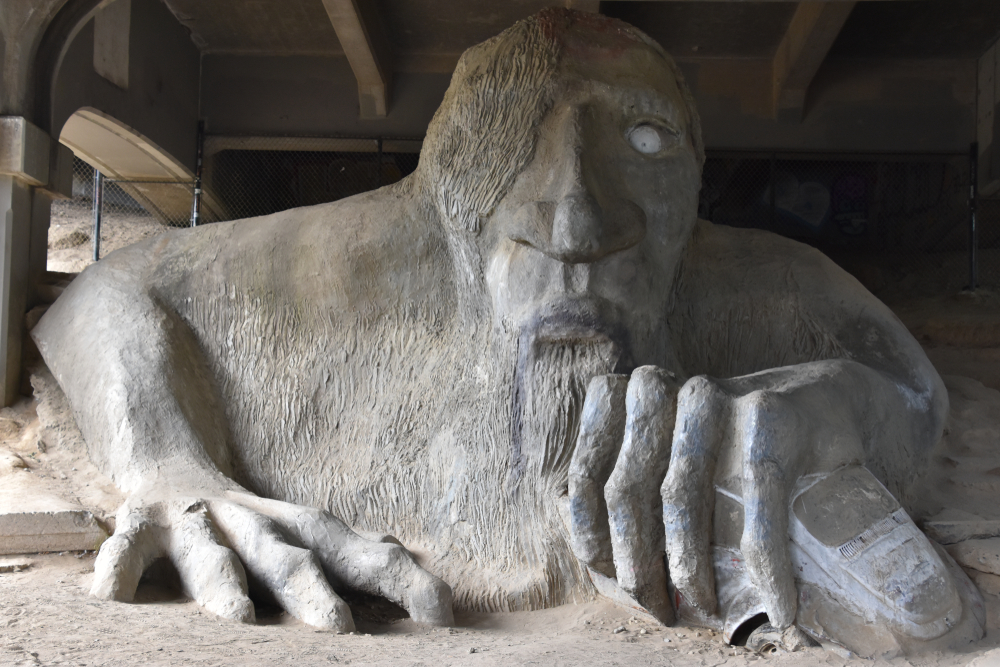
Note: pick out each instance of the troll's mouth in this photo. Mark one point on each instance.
(570, 319)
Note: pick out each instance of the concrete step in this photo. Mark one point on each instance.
(33, 519)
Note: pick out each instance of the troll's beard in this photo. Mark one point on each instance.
(550, 388)
(504, 543)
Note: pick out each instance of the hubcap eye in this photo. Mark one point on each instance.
(652, 138)
(646, 139)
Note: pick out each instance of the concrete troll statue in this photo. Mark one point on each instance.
(532, 365)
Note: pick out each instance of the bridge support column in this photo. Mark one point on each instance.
(33, 169)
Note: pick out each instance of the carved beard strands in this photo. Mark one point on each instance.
(506, 518)
(549, 391)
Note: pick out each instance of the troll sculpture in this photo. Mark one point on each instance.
(532, 365)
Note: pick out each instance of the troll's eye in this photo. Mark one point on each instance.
(649, 139)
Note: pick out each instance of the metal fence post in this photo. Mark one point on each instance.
(773, 204)
(196, 199)
(973, 197)
(98, 204)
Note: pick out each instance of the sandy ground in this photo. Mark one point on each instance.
(71, 249)
(48, 618)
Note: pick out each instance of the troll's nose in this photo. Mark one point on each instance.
(578, 229)
(584, 212)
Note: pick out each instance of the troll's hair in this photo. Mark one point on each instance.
(484, 132)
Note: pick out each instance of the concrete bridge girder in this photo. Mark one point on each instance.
(119, 152)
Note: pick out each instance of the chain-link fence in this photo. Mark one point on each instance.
(899, 224)
(129, 211)
(243, 177)
(250, 176)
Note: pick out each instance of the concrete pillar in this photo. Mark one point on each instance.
(15, 230)
(60, 186)
(38, 243)
(33, 169)
(112, 27)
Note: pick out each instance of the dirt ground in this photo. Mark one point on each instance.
(71, 247)
(48, 618)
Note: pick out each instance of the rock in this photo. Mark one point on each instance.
(619, 629)
(58, 530)
(985, 582)
(14, 565)
(9, 462)
(954, 526)
(981, 554)
(71, 240)
(9, 429)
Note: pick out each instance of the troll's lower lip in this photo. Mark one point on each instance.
(572, 318)
(557, 333)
